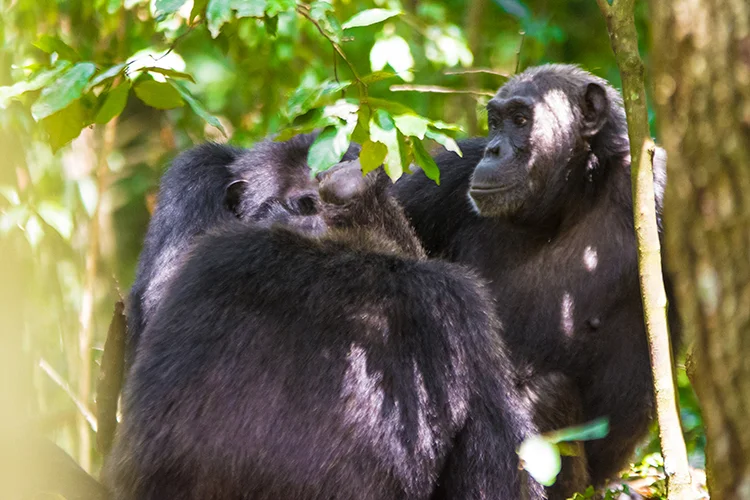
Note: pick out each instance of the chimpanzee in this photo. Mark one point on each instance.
(542, 209)
(204, 188)
(286, 363)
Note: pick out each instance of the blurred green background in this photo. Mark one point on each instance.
(85, 134)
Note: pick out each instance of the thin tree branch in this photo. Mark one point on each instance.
(63, 384)
(624, 40)
(439, 90)
(302, 10)
(471, 71)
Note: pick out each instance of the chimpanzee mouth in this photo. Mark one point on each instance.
(482, 189)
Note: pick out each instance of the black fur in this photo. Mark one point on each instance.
(266, 182)
(549, 224)
(346, 366)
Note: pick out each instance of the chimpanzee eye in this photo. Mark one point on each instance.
(519, 120)
(492, 123)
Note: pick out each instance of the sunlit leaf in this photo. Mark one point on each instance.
(197, 107)
(394, 108)
(164, 7)
(411, 125)
(179, 75)
(37, 82)
(50, 44)
(372, 155)
(57, 217)
(199, 7)
(369, 17)
(108, 74)
(14, 217)
(10, 194)
(158, 95)
(33, 231)
(541, 459)
(218, 12)
(65, 125)
(250, 8)
(393, 51)
(328, 149)
(113, 104)
(444, 140)
(425, 161)
(274, 7)
(378, 76)
(306, 98)
(60, 93)
(383, 130)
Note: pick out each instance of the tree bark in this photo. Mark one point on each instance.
(701, 69)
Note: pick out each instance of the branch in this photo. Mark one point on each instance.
(110, 378)
(439, 90)
(624, 40)
(471, 71)
(302, 10)
(63, 384)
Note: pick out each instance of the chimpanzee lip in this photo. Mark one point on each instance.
(487, 188)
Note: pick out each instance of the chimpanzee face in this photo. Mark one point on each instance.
(538, 132)
(288, 197)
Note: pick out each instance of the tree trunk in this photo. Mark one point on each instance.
(701, 65)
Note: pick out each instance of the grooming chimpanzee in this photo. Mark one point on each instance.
(206, 187)
(542, 208)
(283, 363)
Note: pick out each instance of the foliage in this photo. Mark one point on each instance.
(96, 97)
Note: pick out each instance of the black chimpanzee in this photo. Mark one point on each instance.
(282, 363)
(542, 208)
(204, 188)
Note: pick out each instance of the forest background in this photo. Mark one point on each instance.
(97, 97)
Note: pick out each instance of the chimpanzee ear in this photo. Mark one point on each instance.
(595, 109)
(234, 194)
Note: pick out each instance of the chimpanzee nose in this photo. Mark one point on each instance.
(493, 149)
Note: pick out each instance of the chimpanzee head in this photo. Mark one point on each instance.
(273, 185)
(550, 128)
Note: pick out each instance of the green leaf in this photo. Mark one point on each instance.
(596, 429)
(328, 149)
(197, 107)
(377, 76)
(275, 7)
(425, 161)
(165, 7)
(446, 141)
(50, 44)
(250, 8)
(394, 108)
(108, 74)
(412, 125)
(158, 95)
(361, 132)
(63, 91)
(306, 98)
(218, 12)
(57, 217)
(37, 81)
(382, 130)
(372, 155)
(271, 24)
(199, 7)
(65, 125)
(541, 459)
(179, 75)
(369, 17)
(515, 8)
(113, 104)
